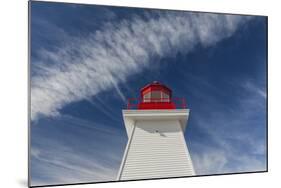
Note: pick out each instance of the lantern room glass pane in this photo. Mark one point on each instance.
(156, 96)
(165, 97)
(146, 97)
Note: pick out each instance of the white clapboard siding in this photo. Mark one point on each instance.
(156, 149)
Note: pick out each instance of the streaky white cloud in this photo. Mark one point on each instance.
(55, 161)
(85, 66)
(237, 138)
(254, 89)
(220, 161)
(62, 166)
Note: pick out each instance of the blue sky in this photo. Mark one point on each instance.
(86, 60)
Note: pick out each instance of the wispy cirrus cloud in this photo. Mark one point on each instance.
(84, 66)
(61, 165)
(236, 134)
(77, 151)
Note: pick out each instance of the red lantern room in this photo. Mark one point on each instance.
(156, 96)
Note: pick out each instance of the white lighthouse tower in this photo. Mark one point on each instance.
(156, 145)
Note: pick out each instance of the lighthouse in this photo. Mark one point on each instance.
(155, 124)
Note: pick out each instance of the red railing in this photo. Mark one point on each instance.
(133, 103)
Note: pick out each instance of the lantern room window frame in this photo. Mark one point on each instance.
(156, 96)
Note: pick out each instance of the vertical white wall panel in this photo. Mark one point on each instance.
(156, 149)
